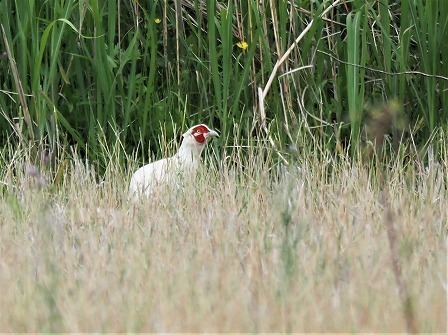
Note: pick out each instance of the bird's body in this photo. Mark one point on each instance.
(173, 170)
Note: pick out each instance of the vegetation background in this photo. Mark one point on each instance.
(74, 72)
(90, 89)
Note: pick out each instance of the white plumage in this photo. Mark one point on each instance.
(171, 170)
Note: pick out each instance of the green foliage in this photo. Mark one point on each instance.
(78, 71)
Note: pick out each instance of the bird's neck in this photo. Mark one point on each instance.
(189, 153)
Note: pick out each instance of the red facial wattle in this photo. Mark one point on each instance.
(199, 132)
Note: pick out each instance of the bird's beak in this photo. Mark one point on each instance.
(211, 133)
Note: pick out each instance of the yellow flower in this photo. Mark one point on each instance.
(242, 45)
(157, 20)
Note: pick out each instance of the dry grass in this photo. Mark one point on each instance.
(253, 250)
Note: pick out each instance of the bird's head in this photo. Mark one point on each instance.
(199, 134)
(195, 139)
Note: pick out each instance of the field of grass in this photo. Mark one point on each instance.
(323, 205)
(248, 246)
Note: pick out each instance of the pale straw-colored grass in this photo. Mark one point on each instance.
(256, 249)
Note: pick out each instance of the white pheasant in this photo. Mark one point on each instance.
(170, 170)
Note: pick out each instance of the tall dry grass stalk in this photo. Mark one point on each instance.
(249, 247)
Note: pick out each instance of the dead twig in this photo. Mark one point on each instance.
(263, 92)
(19, 86)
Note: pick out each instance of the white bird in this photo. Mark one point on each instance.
(171, 170)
